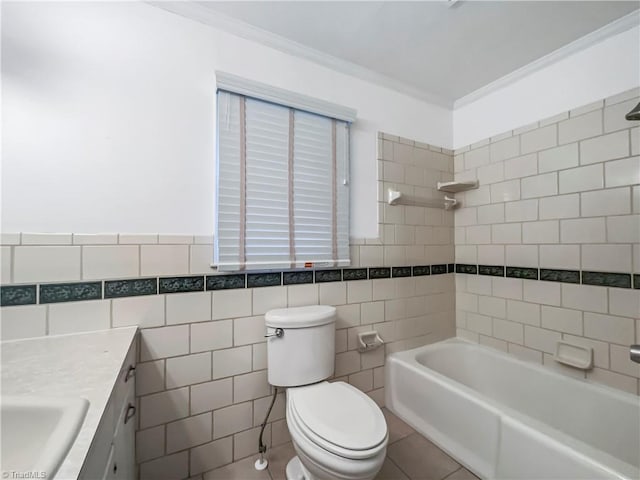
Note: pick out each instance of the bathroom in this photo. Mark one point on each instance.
(486, 201)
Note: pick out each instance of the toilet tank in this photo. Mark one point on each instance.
(305, 353)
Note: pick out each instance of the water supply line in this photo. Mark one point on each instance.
(263, 463)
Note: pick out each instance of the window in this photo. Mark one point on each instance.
(282, 186)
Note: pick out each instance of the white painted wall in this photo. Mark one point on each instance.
(604, 69)
(108, 118)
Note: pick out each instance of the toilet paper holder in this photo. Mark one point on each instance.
(368, 341)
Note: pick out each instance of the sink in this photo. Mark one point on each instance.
(37, 432)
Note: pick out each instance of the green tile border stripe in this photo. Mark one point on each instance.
(58, 292)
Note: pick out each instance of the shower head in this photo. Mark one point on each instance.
(634, 114)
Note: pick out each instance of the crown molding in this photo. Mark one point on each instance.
(617, 26)
(244, 30)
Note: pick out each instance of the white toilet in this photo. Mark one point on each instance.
(337, 431)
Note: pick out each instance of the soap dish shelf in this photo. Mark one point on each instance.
(576, 356)
(455, 187)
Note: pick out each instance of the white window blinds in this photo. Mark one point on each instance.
(282, 187)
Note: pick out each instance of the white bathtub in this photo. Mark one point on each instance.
(504, 418)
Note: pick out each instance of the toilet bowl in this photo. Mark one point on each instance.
(337, 431)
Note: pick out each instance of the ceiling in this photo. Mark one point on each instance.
(445, 50)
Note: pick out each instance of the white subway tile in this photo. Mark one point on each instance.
(554, 119)
(545, 293)
(623, 229)
(614, 380)
(621, 363)
(479, 323)
(233, 419)
(248, 330)
(476, 158)
(144, 311)
(520, 166)
(581, 179)
(488, 214)
(149, 377)
(505, 191)
(231, 303)
(562, 320)
(164, 407)
(211, 395)
(507, 287)
(478, 234)
(541, 232)
(46, 239)
(479, 196)
(491, 173)
(359, 291)
(164, 260)
(522, 255)
(606, 258)
(188, 370)
(492, 306)
(210, 455)
(635, 141)
(558, 158)
(334, 293)
(137, 239)
(525, 354)
(523, 312)
(622, 172)
(560, 256)
(583, 230)
(605, 147)
(491, 254)
(509, 331)
(211, 335)
(95, 238)
(259, 360)
(175, 239)
(539, 139)
(584, 297)
(623, 96)
(250, 386)
(636, 199)
(561, 206)
(504, 149)
(624, 302)
(166, 468)
(46, 264)
(23, 322)
(608, 328)
(541, 339)
(540, 185)
(77, 317)
(9, 238)
(521, 211)
(6, 263)
(117, 261)
(370, 255)
(150, 444)
(614, 115)
(189, 432)
(615, 201)
(583, 126)
(164, 342)
(465, 254)
(268, 298)
(188, 307)
(244, 443)
(506, 233)
(232, 361)
(200, 259)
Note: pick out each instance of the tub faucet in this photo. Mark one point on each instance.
(634, 353)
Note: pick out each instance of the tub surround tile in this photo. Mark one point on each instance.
(421, 270)
(466, 268)
(181, 284)
(522, 272)
(564, 276)
(130, 288)
(296, 278)
(333, 275)
(226, 282)
(439, 269)
(255, 280)
(70, 292)
(354, 274)
(13, 295)
(621, 280)
(382, 272)
(400, 272)
(491, 270)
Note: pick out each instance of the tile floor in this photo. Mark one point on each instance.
(410, 456)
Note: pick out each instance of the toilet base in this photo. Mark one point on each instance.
(295, 470)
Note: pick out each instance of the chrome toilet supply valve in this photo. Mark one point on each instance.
(279, 332)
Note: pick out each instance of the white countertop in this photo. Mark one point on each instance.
(84, 365)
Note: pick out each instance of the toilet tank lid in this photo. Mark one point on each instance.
(300, 317)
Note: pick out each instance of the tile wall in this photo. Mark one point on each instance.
(202, 382)
(551, 240)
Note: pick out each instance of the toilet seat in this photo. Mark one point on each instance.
(338, 418)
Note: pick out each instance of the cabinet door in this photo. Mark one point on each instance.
(124, 440)
(109, 470)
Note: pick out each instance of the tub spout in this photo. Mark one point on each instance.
(634, 353)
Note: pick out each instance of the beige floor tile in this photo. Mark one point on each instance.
(420, 459)
(242, 470)
(462, 474)
(278, 459)
(390, 471)
(397, 428)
